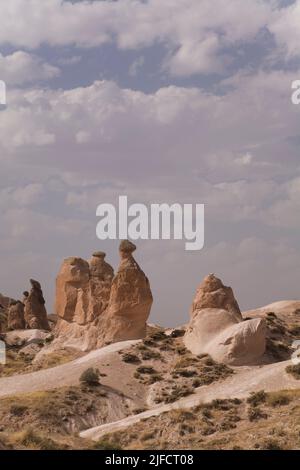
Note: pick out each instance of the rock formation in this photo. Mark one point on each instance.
(35, 311)
(73, 291)
(130, 300)
(213, 294)
(94, 307)
(5, 301)
(101, 276)
(4, 304)
(15, 318)
(217, 327)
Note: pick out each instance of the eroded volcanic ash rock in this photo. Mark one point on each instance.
(130, 300)
(4, 304)
(101, 276)
(35, 310)
(73, 291)
(217, 328)
(213, 294)
(94, 307)
(15, 317)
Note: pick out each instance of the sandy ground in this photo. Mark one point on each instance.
(60, 376)
(270, 377)
(283, 307)
(246, 380)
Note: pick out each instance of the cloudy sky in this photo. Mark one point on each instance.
(163, 101)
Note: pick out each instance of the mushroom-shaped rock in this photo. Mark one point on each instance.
(217, 328)
(35, 311)
(94, 307)
(130, 299)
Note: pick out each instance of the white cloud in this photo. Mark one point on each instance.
(230, 151)
(21, 196)
(20, 67)
(136, 66)
(194, 57)
(195, 32)
(285, 27)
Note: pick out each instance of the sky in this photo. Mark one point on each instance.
(183, 101)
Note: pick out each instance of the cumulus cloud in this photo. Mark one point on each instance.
(285, 27)
(125, 133)
(234, 147)
(22, 68)
(194, 32)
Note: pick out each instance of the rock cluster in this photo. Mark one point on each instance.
(94, 307)
(35, 313)
(217, 327)
(15, 317)
(30, 313)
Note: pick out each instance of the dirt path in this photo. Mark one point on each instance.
(59, 376)
(269, 378)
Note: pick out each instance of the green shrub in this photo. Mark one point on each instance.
(178, 392)
(278, 399)
(158, 336)
(145, 370)
(257, 398)
(271, 444)
(148, 435)
(105, 444)
(31, 439)
(18, 410)
(255, 413)
(131, 358)
(150, 354)
(90, 377)
(294, 371)
(177, 333)
(137, 411)
(186, 372)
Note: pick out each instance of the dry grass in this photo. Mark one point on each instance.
(19, 364)
(222, 424)
(294, 371)
(62, 412)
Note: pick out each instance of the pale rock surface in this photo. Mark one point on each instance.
(35, 310)
(221, 332)
(213, 294)
(15, 316)
(30, 350)
(25, 337)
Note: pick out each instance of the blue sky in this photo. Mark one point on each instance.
(164, 101)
